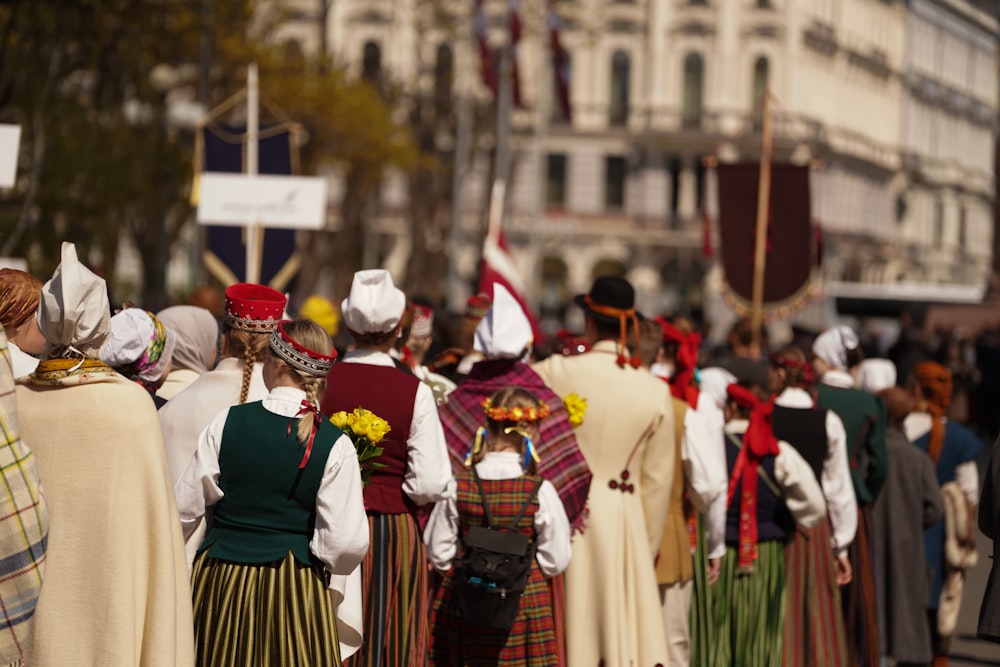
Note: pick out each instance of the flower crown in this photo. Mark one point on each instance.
(515, 414)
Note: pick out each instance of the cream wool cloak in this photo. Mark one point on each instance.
(612, 601)
(116, 588)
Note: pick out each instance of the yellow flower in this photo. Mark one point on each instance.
(576, 406)
(340, 419)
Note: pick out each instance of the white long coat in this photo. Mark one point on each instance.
(612, 603)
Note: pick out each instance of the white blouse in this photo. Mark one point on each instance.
(553, 548)
(703, 454)
(841, 503)
(340, 538)
(800, 491)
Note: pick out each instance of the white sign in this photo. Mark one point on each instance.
(297, 202)
(10, 140)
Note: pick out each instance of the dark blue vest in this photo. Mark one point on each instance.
(774, 521)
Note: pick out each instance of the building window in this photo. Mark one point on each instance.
(561, 77)
(760, 79)
(963, 230)
(614, 182)
(555, 181)
(371, 62)
(674, 172)
(444, 76)
(609, 267)
(694, 75)
(938, 223)
(620, 69)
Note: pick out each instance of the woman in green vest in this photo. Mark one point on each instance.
(285, 489)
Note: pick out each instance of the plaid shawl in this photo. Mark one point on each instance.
(23, 525)
(562, 463)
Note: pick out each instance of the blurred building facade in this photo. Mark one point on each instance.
(898, 101)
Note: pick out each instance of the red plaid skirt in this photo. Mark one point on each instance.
(531, 642)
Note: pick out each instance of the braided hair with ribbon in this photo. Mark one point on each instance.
(307, 350)
(759, 441)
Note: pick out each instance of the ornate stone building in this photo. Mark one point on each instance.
(897, 99)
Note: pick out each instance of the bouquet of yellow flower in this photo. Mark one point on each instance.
(576, 406)
(366, 430)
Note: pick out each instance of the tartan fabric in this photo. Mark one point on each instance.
(250, 614)
(394, 583)
(531, 642)
(750, 609)
(814, 627)
(23, 524)
(562, 463)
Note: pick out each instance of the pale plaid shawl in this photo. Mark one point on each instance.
(562, 463)
(24, 525)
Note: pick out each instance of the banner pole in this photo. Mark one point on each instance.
(253, 231)
(763, 206)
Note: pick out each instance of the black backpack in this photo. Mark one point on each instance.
(493, 571)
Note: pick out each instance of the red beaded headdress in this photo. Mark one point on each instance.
(253, 308)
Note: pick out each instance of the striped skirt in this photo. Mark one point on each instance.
(531, 642)
(394, 585)
(814, 627)
(750, 609)
(703, 607)
(278, 613)
(858, 597)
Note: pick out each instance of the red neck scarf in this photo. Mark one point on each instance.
(758, 442)
(685, 361)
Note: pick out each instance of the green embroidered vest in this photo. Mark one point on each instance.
(269, 507)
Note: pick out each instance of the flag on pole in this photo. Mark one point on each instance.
(497, 264)
(486, 61)
(560, 63)
(515, 37)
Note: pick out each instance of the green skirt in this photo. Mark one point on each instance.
(749, 609)
(278, 613)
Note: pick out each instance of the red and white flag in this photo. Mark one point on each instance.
(498, 266)
(560, 63)
(486, 60)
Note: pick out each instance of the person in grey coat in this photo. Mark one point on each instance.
(989, 524)
(910, 501)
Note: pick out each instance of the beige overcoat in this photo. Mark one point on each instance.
(116, 589)
(612, 603)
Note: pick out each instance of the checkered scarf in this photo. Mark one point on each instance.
(24, 526)
(562, 463)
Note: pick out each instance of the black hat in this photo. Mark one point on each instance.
(607, 292)
(612, 301)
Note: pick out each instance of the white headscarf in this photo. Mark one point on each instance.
(74, 311)
(713, 381)
(832, 345)
(197, 334)
(374, 305)
(505, 332)
(137, 347)
(874, 375)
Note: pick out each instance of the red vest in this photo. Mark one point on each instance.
(389, 393)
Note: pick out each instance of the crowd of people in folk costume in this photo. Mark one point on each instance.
(192, 487)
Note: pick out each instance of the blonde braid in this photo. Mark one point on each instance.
(313, 387)
(248, 361)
